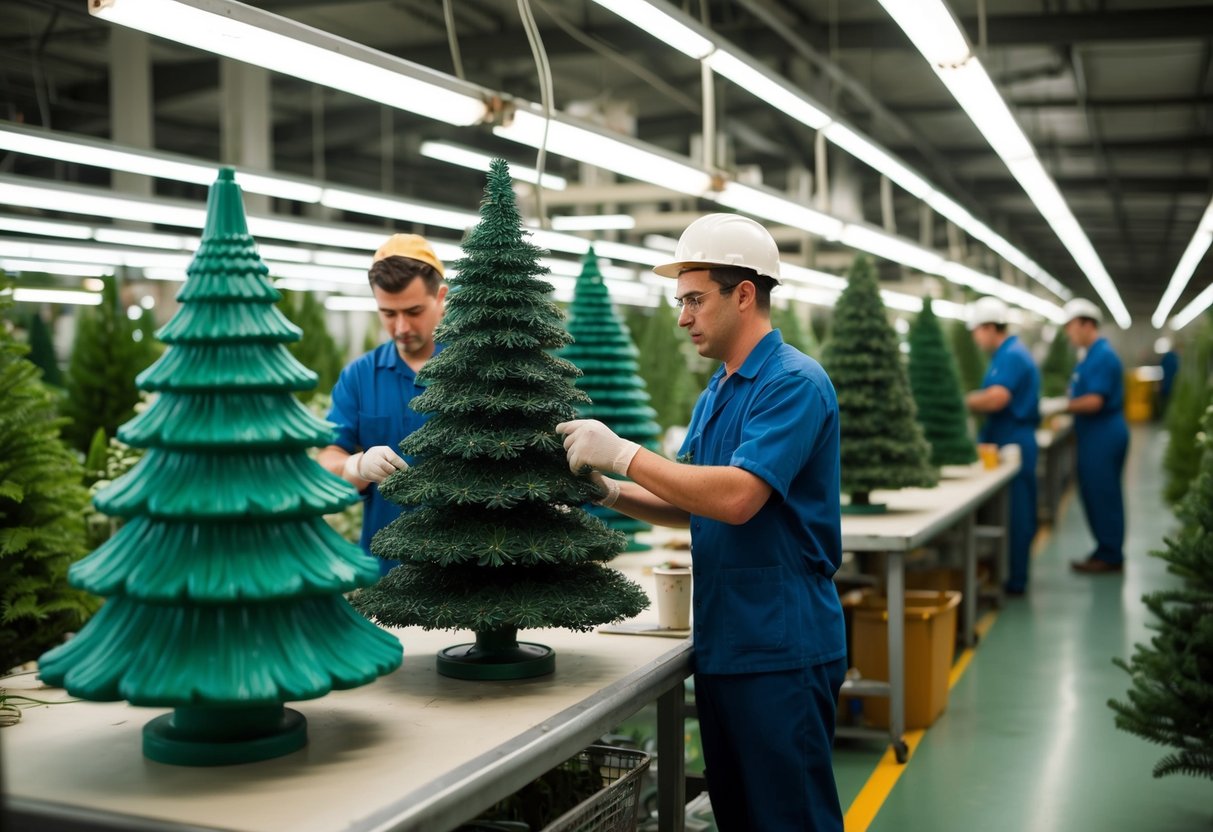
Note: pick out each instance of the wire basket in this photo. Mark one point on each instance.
(616, 807)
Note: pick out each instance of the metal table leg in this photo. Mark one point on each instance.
(969, 535)
(895, 590)
(671, 761)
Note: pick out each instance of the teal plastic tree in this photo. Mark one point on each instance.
(498, 542)
(225, 583)
(1057, 367)
(937, 396)
(1171, 698)
(602, 349)
(882, 444)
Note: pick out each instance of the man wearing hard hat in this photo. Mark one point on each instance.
(759, 489)
(371, 399)
(1097, 396)
(1009, 398)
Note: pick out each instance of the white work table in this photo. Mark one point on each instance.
(413, 751)
(914, 518)
(1055, 466)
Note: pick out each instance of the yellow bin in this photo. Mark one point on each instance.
(930, 646)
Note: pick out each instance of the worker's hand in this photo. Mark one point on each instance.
(1052, 405)
(374, 464)
(589, 443)
(607, 487)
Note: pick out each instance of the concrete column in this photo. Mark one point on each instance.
(130, 101)
(246, 132)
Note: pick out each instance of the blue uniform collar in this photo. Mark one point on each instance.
(758, 356)
(1007, 345)
(388, 358)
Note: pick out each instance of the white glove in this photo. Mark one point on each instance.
(608, 487)
(590, 443)
(1051, 406)
(374, 464)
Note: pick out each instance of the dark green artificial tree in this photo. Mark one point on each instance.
(41, 513)
(672, 385)
(935, 383)
(883, 446)
(793, 331)
(42, 351)
(1171, 698)
(1185, 412)
(1057, 367)
(316, 350)
(970, 360)
(602, 349)
(498, 541)
(225, 584)
(105, 359)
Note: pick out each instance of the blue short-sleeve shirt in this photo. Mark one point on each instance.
(764, 595)
(1012, 367)
(1101, 372)
(371, 407)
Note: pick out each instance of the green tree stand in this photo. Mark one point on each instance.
(937, 396)
(602, 349)
(225, 584)
(498, 541)
(882, 444)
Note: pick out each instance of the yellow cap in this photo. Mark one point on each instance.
(413, 246)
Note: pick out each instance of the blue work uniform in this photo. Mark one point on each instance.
(371, 407)
(1103, 443)
(1012, 367)
(768, 628)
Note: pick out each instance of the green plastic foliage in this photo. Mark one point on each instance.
(935, 383)
(1057, 367)
(41, 513)
(499, 540)
(42, 351)
(673, 386)
(970, 360)
(316, 350)
(105, 360)
(225, 584)
(882, 444)
(602, 349)
(793, 331)
(1170, 701)
(1189, 399)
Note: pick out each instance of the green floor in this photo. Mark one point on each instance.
(1027, 742)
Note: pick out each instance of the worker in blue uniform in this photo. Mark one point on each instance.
(371, 398)
(1009, 399)
(758, 484)
(1097, 397)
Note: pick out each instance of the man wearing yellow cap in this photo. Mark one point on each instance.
(371, 400)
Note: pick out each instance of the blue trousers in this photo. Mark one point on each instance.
(767, 747)
(1023, 519)
(1102, 450)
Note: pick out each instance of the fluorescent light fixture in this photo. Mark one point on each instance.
(476, 160)
(772, 206)
(1193, 254)
(594, 222)
(869, 152)
(812, 277)
(284, 253)
(891, 248)
(14, 266)
(769, 87)
(47, 228)
(90, 254)
(661, 25)
(977, 95)
(1190, 312)
(247, 34)
(617, 153)
(400, 209)
(56, 296)
(660, 242)
(54, 197)
(86, 151)
(324, 274)
(932, 29)
(145, 239)
(349, 303)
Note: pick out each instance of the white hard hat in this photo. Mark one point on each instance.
(724, 240)
(1082, 308)
(988, 310)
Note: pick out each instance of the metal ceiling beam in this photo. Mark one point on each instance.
(1152, 103)
(1000, 187)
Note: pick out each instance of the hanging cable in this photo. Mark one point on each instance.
(452, 38)
(544, 70)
